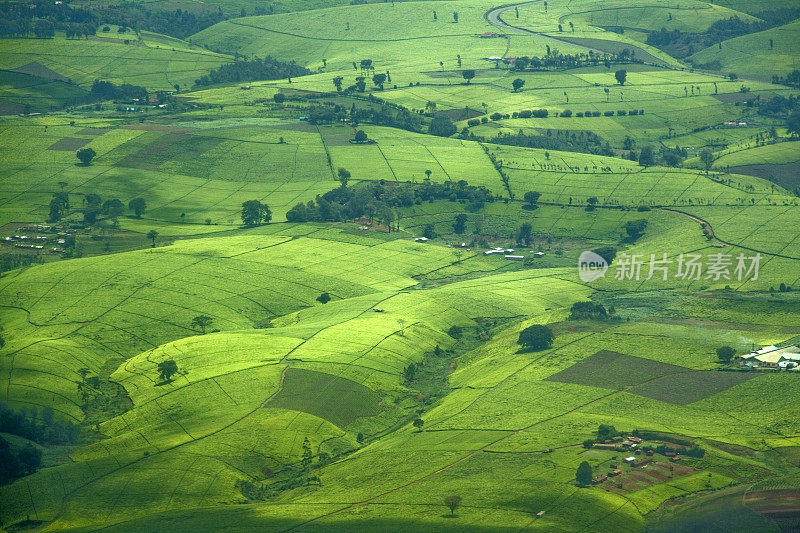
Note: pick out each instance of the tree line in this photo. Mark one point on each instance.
(42, 19)
(379, 200)
(254, 69)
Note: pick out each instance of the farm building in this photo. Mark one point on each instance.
(773, 357)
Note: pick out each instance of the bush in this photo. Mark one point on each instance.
(566, 113)
(540, 113)
(608, 114)
(496, 116)
(622, 112)
(633, 112)
(484, 120)
(525, 114)
(579, 114)
(473, 122)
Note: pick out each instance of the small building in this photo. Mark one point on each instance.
(540, 514)
(421, 239)
(602, 446)
(600, 479)
(642, 462)
(515, 257)
(615, 472)
(630, 459)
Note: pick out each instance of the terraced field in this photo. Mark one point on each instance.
(404, 343)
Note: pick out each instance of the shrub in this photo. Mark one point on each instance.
(608, 114)
(566, 113)
(525, 114)
(473, 122)
(622, 112)
(496, 116)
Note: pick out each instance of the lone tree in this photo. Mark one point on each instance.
(279, 98)
(460, 223)
(524, 234)
(725, 354)
(536, 337)
(85, 155)
(418, 423)
(707, 158)
(324, 298)
(584, 474)
(647, 157)
(468, 75)
(621, 75)
(635, 228)
(58, 206)
(343, 175)
(518, 84)
(452, 502)
(361, 137)
(202, 322)
(531, 197)
(337, 82)
(255, 213)
(441, 126)
(152, 235)
(138, 206)
(167, 369)
(793, 124)
(378, 80)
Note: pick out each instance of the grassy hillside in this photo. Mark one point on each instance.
(148, 63)
(751, 55)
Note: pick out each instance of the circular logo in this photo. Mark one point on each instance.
(591, 266)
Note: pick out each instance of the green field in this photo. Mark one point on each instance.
(185, 365)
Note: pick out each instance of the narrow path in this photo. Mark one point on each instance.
(714, 237)
(493, 17)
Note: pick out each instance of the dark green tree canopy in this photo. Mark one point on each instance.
(536, 337)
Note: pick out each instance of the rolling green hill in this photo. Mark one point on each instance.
(751, 55)
(416, 350)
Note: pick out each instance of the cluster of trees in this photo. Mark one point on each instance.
(383, 115)
(585, 142)
(93, 206)
(683, 44)
(555, 59)
(254, 69)
(378, 200)
(42, 19)
(106, 90)
(17, 462)
(590, 310)
(177, 23)
(792, 79)
(40, 427)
